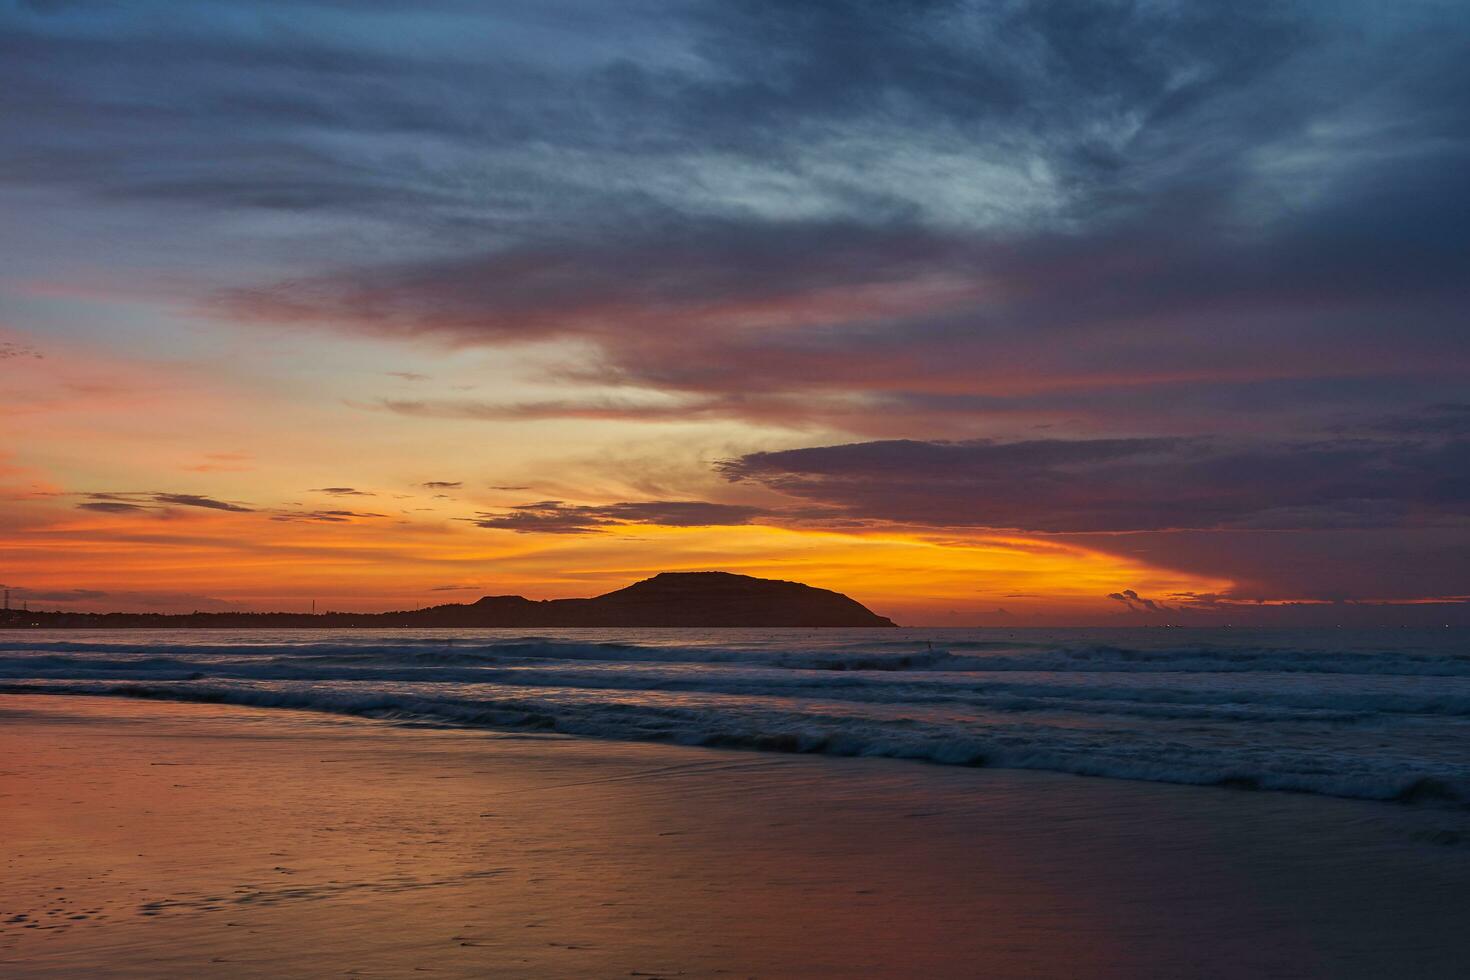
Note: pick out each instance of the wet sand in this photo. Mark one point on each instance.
(163, 840)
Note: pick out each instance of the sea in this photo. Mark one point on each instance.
(1371, 714)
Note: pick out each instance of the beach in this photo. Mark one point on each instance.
(150, 839)
(559, 489)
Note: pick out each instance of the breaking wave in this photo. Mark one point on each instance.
(1373, 715)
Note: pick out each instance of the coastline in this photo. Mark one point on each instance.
(153, 839)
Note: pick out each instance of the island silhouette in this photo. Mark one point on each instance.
(669, 599)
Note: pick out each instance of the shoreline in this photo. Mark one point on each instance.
(159, 838)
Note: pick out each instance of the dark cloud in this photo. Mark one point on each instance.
(342, 492)
(1339, 519)
(666, 88)
(681, 271)
(325, 516)
(62, 595)
(1213, 609)
(195, 500)
(1129, 222)
(442, 485)
(1317, 564)
(1143, 484)
(555, 517)
(1136, 602)
(132, 502)
(113, 507)
(1243, 406)
(936, 324)
(1451, 419)
(938, 215)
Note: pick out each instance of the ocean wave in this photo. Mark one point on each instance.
(953, 655)
(1094, 692)
(1371, 715)
(1320, 770)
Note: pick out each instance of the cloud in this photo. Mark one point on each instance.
(195, 500)
(113, 507)
(782, 103)
(442, 485)
(1214, 608)
(10, 351)
(1448, 419)
(555, 517)
(901, 225)
(1137, 603)
(780, 410)
(1140, 484)
(953, 211)
(154, 502)
(342, 492)
(1394, 563)
(1334, 519)
(60, 595)
(326, 516)
(604, 409)
(943, 217)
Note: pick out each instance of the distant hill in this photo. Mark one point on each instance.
(689, 599)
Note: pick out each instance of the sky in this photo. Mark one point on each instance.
(1001, 313)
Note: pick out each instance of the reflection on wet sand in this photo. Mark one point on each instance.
(167, 840)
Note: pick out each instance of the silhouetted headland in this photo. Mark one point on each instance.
(670, 599)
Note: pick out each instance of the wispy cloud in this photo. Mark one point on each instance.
(342, 492)
(196, 500)
(113, 507)
(130, 502)
(555, 517)
(10, 351)
(326, 516)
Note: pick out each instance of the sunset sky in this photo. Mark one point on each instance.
(998, 313)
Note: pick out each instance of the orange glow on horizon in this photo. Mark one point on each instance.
(250, 561)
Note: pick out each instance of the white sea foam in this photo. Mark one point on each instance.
(1377, 715)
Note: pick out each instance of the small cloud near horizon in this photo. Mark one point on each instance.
(114, 507)
(196, 500)
(155, 502)
(556, 517)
